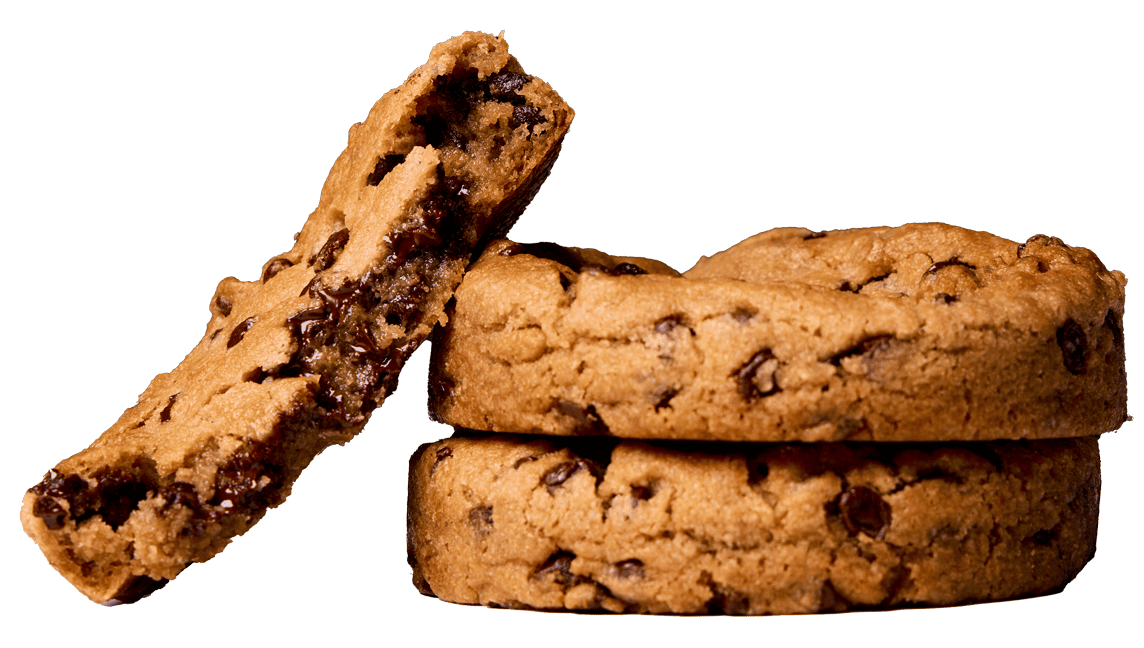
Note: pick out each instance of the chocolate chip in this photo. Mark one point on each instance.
(274, 267)
(630, 569)
(441, 455)
(954, 261)
(384, 165)
(136, 588)
(481, 519)
(862, 509)
(562, 472)
(120, 493)
(646, 491)
(330, 251)
(1113, 324)
(829, 600)
(742, 315)
(663, 395)
(585, 420)
(757, 471)
(559, 566)
(180, 493)
(626, 269)
(165, 415)
(551, 251)
(526, 115)
(756, 378)
(724, 599)
(240, 331)
(846, 286)
(814, 235)
(667, 325)
(1074, 347)
(223, 305)
(50, 511)
(945, 298)
(869, 345)
(503, 86)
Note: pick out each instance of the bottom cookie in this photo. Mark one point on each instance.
(679, 528)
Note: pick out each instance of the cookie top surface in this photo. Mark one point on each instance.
(924, 332)
(695, 528)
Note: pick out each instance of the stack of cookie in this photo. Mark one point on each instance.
(805, 422)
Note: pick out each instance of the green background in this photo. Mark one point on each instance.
(150, 150)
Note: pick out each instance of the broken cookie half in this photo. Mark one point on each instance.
(297, 360)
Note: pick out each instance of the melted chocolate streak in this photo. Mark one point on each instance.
(331, 336)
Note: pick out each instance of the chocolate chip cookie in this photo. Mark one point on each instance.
(702, 528)
(298, 359)
(925, 332)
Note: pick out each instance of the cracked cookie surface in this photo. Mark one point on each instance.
(297, 360)
(924, 332)
(694, 528)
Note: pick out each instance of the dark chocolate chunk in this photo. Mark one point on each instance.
(630, 569)
(586, 421)
(756, 378)
(328, 255)
(385, 164)
(814, 235)
(562, 472)
(240, 331)
(526, 115)
(1113, 324)
(724, 599)
(945, 298)
(120, 493)
(1045, 537)
(663, 395)
(757, 471)
(627, 269)
(180, 493)
(559, 566)
(862, 509)
(829, 600)
(481, 519)
(137, 588)
(441, 455)
(50, 511)
(274, 267)
(846, 286)
(869, 345)
(645, 491)
(223, 305)
(667, 325)
(742, 315)
(1074, 347)
(564, 256)
(953, 261)
(503, 86)
(165, 415)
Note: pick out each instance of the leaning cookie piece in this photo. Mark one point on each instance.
(297, 360)
(924, 332)
(685, 528)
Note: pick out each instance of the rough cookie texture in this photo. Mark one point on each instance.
(924, 332)
(296, 360)
(687, 528)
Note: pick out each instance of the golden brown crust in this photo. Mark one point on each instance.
(924, 332)
(627, 526)
(296, 360)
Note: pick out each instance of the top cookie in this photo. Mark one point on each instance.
(925, 332)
